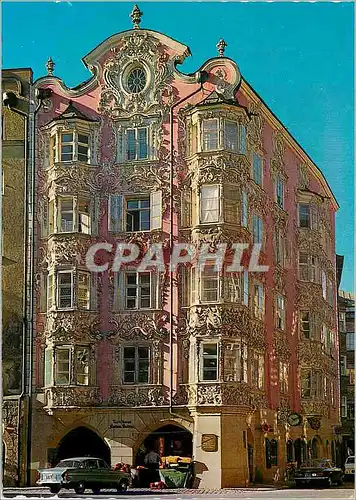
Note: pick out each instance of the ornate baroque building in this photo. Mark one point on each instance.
(243, 366)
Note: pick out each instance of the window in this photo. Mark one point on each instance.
(137, 144)
(74, 215)
(136, 365)
(62, 366)
(246, 288)
(74, 145)
(279, 247)
(280, 192)
(65, 290)
(258, 300)
(83, 216)
(280, 312)
(268, 453)
(342, 321)
(305, 324)
(283, 377)
(209, 283)
(306, 383)
(137, 214)
(311, 384)
(257, 168)
(209, 362)
(209, 204)
(210, 134)
(138, 290)
(343, 364)
(290, 451)
(351, 376)
(48, 367)
(136, 80)
(66, 214)
(235, 362)
(242, 145)
(330, 292)
(323, 283)
(307, 267)
(232, 288)
(304, 215)
(344, 406)
(257, 370)
(351, 410)
(350, 341)
(231, 204)
(244, 211)
(274, 452)
(231, 135)
(82, 366)
(83, 290)
(257, 229)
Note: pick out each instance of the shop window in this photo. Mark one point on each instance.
(136, 364)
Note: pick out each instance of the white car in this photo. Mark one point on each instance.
(350, 468)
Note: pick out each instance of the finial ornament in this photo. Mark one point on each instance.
(50, 66)
(136, 15)
(221, 47)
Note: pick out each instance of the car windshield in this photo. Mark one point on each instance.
(317, 463)
(350, 460)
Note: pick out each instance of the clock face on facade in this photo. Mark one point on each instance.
(294, 419)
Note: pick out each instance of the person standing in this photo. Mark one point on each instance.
(152, 462)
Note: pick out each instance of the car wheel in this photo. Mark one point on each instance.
(340, 482)
(96, 491)
(123, 485)
(79, 488)
(54, 489)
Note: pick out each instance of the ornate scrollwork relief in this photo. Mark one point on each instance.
(76, 326)
(219, 168)
(58, 397)
(255, 127)
(277, 166)
(140, 326)
(137, 396)
(315, 407)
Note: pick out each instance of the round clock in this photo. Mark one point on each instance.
(294, 419)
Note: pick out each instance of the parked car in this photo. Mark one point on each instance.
(82, 473)
(318, 472)
(349, 473)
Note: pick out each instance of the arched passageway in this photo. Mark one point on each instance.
(315, 453)
(82, 442)
(169, 440)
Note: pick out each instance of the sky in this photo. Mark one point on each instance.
(297, 56)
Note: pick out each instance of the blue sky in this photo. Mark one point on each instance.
(297, 56)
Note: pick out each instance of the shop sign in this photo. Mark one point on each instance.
(209, 442)
(121, 424)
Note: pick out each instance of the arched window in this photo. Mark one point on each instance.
(290, 450)
(274, 452)
(268, 453)
(315, 448)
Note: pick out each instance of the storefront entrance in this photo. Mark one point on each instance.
(81, 442)
(169, 440)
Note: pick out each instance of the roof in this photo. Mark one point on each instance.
(73, 112)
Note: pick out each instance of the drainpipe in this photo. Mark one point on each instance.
(202, 77)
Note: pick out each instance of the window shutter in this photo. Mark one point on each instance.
(156, 210)
(115, 213)
(93, 291)
(95, 204)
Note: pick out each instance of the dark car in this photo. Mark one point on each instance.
(82, 473)
(318, 472)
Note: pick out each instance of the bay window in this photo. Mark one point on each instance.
(209, 361)
(306, 324)
(66, 290)
(136, 364)
(209, 285)
(311, 383)
(70, 145)
(221, 133)
(68, 214)
(67, 365)
(231, 203)
(307, 267)
(235, 362)
(210, 134)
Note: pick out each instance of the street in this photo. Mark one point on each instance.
(347, 492)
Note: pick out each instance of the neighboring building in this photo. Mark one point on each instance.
(346, 306)
(14, 262)
(245, 377)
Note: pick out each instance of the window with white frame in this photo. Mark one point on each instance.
(284, 377)
(307, 267)
(231, 204)
(74, 214)
(280, 312)
(233, 287)
(209, 361)
(279, 192)
(65, 290)
(209, 285)
(70, 145)
(258, 300)
(257, 168)
(83, 290)
(257, 229)
(139, 290)
(210, 134)
(136, 364)
(209, 203)
(231, 135)
(137, 211)
(71, 365)
(257, 370)
(223, 133)
(137, 143)
(350, 341)
(306, 325)
(244, 210)
(307, 216)
(235, 362)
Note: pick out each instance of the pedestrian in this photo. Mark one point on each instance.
(152, 462)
